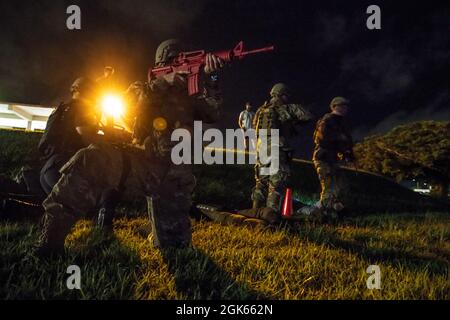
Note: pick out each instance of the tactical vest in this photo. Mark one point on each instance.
(54, 138)
(154, 108)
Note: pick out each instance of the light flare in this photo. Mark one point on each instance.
(112, 105)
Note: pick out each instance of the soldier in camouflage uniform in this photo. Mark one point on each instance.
(144, 169)
(279, 114)
(333, 142)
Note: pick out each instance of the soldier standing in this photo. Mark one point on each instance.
(278, 114)
(245, 122)
(145, 169)
(333, 143)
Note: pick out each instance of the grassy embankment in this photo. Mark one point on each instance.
(306, 261)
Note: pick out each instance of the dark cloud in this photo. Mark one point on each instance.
(434, 111)
(43, 57)
(332, 31)
(165, 18)
(323, 49)
(378, 72)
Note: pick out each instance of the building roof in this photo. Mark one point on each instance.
(24, 116)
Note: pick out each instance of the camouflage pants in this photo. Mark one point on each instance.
(269, 189)
(330, 182)
(97, 168)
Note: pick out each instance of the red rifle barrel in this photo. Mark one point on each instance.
(265, 49)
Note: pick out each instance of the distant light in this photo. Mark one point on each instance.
(421, 190)
(160, 124)
(113, 106)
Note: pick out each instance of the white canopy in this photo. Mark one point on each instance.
(23, 116)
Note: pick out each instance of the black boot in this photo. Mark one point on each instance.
(146, 229)
(107, 211)
(54, 229)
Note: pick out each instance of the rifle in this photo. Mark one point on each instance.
(349, 158)
(191, 63)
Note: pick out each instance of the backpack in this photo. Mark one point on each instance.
(52, 140)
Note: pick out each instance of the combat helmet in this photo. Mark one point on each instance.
(280, 89)
(336, 101)
(83, 85)
(166, 51)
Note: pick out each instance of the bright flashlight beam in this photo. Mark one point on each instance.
(113, 106)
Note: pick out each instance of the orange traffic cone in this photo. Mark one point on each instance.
(287, 204)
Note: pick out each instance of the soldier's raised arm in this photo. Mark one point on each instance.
(295, 113)
(300, 113)
(208, 105)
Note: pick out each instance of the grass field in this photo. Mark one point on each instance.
(407, 235)
(305, 261)
(231, 185)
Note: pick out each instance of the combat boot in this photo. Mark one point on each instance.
(270, 215)
(315, 212)
(255, 223)
(334, 213)
(56, 225)
(171, 226)
(274, 201)
(265, 214)
(107, 211)
(145, 230)
(105, 220)
(258, 198)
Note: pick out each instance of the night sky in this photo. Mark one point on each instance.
(323, 48)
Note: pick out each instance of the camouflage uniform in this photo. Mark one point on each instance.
(333, 143)
(275, 114)
(147, 171)
(77, 113)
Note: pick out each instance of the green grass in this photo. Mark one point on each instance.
(386, 226)
(365, 193)
(305, 261)
(17, 149)
(231, 185)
